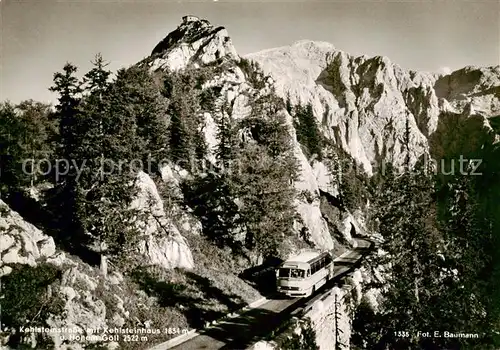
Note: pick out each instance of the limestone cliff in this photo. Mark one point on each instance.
(376, 110)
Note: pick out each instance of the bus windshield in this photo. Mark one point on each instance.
(291, 273)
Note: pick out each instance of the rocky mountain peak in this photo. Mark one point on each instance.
(195, 41)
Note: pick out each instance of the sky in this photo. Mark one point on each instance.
(39, 36)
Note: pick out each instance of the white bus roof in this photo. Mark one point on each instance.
(303, 260)
(304, 257)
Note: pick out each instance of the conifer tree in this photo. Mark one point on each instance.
(92, 182)
(288, 104)
(464, 233)
(186, 143)
(150, 110)
(212, 199)
(108, 215)
(226, 139)
(94, 110)
(68, 116)
(68, 87)
(179, 143)
(439, 246)
(469, 230)
(11, 152)
(308, 133)
(214, 193)
(408, 224)
(264, 183)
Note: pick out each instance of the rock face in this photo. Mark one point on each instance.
(162, 243)
(20, 241)
(325, 179)
(307, 203)
(83, 311)
(373, 108)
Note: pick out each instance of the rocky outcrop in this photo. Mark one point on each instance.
(20, 241)
(161, 244)
(83, 311)
(307, 203)
(195, 42)
(325, 179)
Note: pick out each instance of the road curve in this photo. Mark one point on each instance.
(244, 330)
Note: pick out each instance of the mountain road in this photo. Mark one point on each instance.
(244, 330)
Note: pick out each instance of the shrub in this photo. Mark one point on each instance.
(25, 297)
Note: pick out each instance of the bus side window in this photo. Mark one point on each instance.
(308, 272)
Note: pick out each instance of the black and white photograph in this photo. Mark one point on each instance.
(250, 175)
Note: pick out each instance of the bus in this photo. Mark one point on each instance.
(302, 275)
